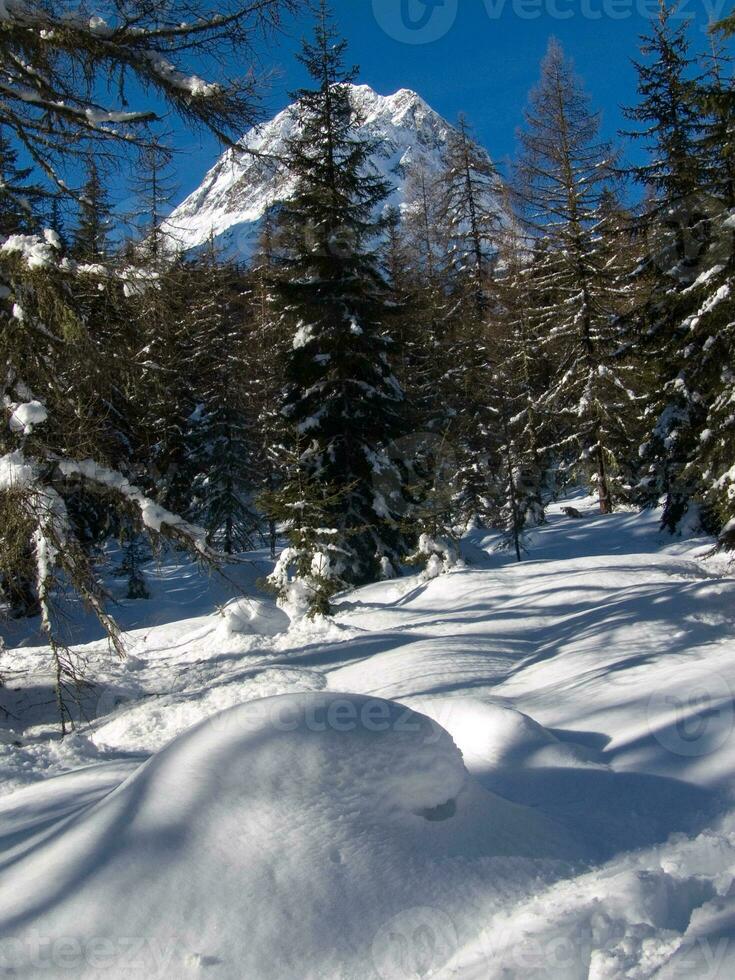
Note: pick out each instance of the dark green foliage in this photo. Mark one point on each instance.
(220, 438)
(90, 238)
(342, 404)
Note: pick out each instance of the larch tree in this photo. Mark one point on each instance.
(562, 178)
(67, 78)
(470, 188)
(153, 189)
(520, 379)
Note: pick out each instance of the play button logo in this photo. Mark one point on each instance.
(415, 21)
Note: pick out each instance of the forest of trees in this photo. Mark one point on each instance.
(371, 382)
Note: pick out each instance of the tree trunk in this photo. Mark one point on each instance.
(606, 506)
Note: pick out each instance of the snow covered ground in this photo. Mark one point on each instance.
(509, 771)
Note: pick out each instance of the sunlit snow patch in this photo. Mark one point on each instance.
(280, 838)
(254, 616)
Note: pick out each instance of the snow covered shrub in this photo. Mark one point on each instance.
(308, 573)
(435, 556)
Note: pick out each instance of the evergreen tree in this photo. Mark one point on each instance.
(681, 217)
(268, 338)
(704, 384)
(342, 405)
(714, 96)
(421, 276)
(563, 178)
(667, 112)
(19, 201)
(221, 445)
(162, 392)
(89, 242)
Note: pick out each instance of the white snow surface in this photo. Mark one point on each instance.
(247, 180)
(507, 771)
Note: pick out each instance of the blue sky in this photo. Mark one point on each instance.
(475, 56)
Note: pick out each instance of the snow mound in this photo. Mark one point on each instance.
(492, 735)
(27, 415)
(294, 836)
(254, 616)
(147, 725)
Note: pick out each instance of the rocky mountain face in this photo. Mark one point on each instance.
(241, 186)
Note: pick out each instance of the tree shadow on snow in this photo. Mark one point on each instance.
(607, 812)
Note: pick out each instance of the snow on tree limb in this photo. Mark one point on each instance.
(57, 63)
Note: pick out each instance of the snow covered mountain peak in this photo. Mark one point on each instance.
(240, 187)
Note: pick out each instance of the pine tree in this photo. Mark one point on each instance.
(221, 444)
(427, 325)
(470, 195)
(343, 404)
(421, 277)
(714, 96)
(562, 178)
(678, 222)
(162, 389)
(709, 329)
(19, 201)
(90, 238)
(268, 342)
(667, 112)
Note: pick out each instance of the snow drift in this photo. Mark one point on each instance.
(586, 833)
(278, 839)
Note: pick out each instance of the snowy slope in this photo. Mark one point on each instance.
(586, 830)
(240, 187)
